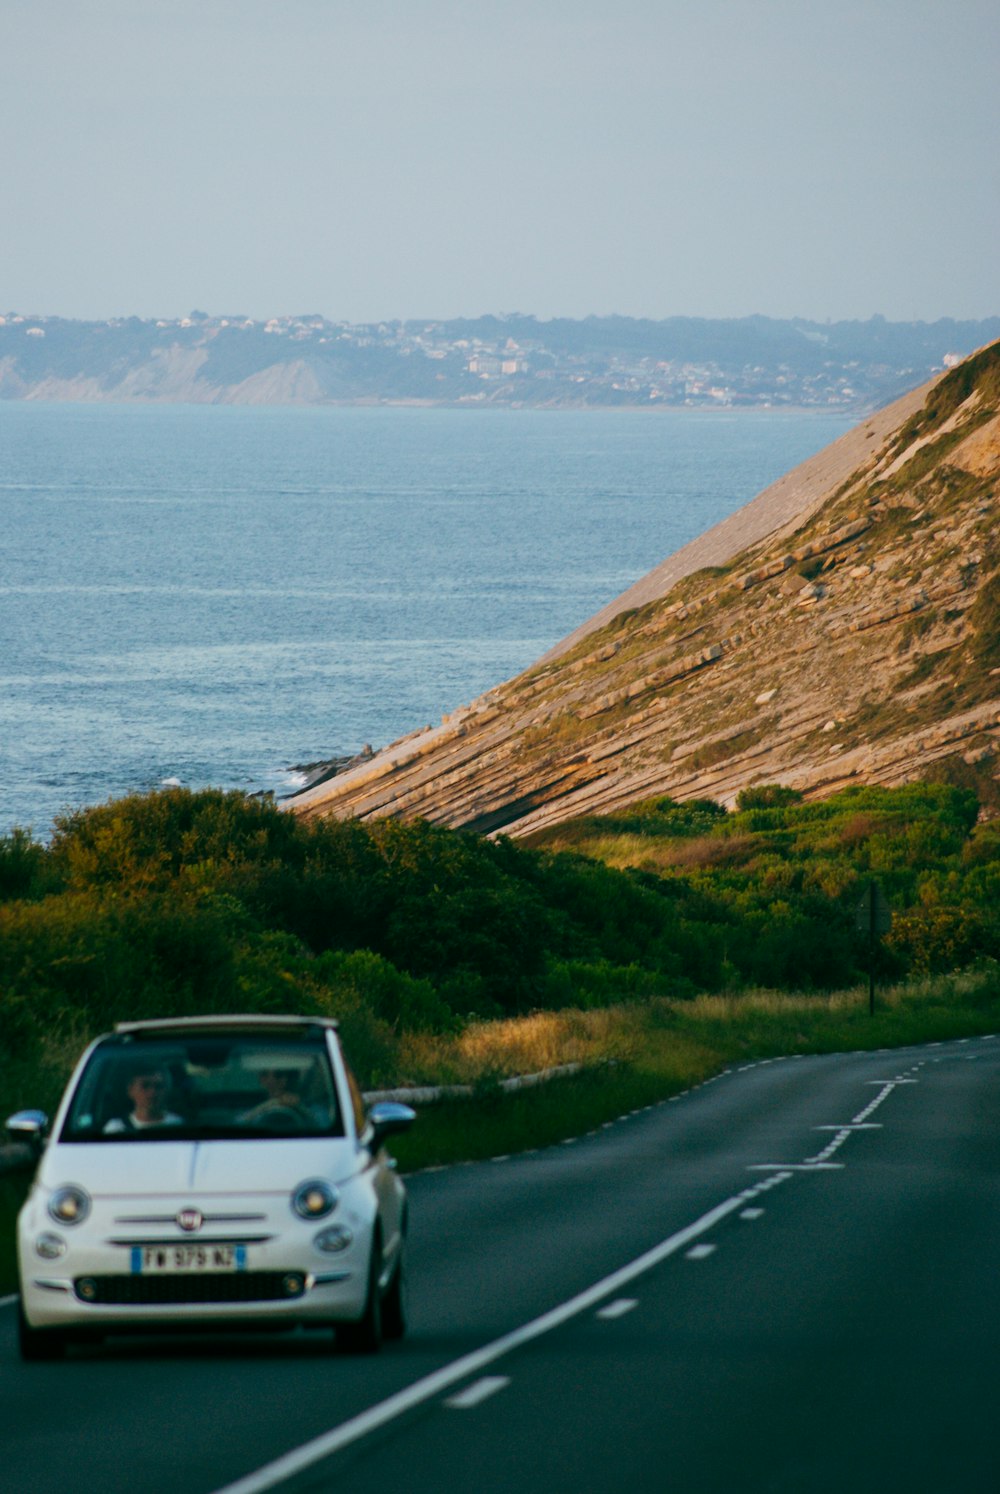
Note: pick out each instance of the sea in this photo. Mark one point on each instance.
(222, 595)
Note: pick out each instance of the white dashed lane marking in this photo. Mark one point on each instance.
(476, 1393)
(618, 1308)
(377, 1416)
(791, 1167)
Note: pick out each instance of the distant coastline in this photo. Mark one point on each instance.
(512, 361)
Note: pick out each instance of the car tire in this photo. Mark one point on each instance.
(394, 1303)
(39, 1345)
(365, 1336)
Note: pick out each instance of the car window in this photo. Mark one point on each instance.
(206, 1086)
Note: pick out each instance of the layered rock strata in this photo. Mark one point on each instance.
(843, 627)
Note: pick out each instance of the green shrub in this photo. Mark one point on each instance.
(23, 866)
(345, 980)
(767, 796)
(936, 939)
(179, 903)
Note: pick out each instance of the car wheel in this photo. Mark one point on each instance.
(39, 1345)
(365, 1336)
(394, 1303)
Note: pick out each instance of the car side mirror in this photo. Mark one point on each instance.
(386, 1118)
(26, 1130)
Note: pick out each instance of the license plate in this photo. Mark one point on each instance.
(150, 1260)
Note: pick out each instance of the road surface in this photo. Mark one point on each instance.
(783, 1281)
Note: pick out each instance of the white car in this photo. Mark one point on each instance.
(212, 1172)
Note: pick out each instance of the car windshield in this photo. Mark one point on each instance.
(205, 1087)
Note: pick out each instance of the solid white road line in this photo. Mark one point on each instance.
(476, 1393)
(327, 1443)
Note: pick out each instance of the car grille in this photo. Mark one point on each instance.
(153, 1291)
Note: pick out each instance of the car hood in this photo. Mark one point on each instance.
(137, 1169)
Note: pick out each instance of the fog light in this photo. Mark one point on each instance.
(50, 1247)
(294, 1284)
(337, 1237)
(86, 1289)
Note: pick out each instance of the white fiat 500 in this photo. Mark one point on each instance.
(212, 1172)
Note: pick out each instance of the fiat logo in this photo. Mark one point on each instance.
(190, 1220)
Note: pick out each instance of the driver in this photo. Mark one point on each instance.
(147, 1090)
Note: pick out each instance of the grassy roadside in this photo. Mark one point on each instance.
(634, 1055)
(637, 1054)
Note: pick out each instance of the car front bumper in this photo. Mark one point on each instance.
(281, 1278)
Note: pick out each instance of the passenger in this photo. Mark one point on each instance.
(147, 1089)
(282, 1089)
(290, 1097)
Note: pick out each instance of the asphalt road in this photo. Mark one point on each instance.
(783, 1281)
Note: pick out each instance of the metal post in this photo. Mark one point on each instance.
(871, 949)
(873, 916)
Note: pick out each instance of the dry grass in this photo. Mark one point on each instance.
(663, 853)
(639, 1053)
(521, 1045)
(643, 1034)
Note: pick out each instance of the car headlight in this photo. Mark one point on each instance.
(69, 1205)
(315, 1199)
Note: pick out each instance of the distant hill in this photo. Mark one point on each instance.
(842, 628)
(513, 360)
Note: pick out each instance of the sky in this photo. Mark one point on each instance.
(375, 159)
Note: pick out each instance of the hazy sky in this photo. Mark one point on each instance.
(407, 158)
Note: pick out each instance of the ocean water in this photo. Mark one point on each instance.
(216, 595)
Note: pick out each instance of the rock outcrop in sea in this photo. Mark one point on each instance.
(843, 627)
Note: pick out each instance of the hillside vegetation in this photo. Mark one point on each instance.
(178, 903)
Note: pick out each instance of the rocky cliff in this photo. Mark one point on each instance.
(843, 627)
